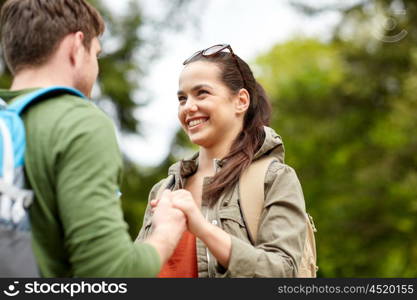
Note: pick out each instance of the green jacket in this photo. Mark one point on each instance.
(74, 166)
(282, 230)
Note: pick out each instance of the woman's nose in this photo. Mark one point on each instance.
(190, 105)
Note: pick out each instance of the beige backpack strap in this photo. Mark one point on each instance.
(308, 265)
(251, 190)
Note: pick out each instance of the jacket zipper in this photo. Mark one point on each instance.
(216, 169)
(207, 252)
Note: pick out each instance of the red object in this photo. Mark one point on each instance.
(183, 263)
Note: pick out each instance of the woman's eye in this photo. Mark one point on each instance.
(182, 99)
(202, 92)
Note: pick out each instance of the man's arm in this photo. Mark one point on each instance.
(88, 174)
(169, 224)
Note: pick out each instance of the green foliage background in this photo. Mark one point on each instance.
(346, 109)
(347, 112)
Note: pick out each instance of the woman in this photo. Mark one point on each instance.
(225, 111)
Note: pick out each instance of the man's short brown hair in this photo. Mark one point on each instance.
(31, 30)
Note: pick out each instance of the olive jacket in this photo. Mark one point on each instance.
(281, 234)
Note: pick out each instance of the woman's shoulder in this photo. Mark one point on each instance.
(157, 186)
(282, 177)
(277, 168)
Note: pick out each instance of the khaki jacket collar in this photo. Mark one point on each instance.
(272, 145)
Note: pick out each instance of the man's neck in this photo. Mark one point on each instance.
(38, 78)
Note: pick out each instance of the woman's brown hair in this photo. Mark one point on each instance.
(250, 139)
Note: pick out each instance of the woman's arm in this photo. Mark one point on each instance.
(217, 240)
(281, 235)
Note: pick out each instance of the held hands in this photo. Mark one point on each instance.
(169, 223)
(218, 241)
(184, 201)
(166, 215)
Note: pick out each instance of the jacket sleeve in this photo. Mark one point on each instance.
(281, 234)
(147, 218)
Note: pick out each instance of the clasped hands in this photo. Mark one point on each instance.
(178, 208)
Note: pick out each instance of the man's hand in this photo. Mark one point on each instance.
(168, 225)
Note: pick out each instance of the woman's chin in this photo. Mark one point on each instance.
(196, 140)
(199, 139)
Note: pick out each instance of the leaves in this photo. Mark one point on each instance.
(347, 116)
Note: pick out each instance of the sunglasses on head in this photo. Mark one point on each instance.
(213, 50)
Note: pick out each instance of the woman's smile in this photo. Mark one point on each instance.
(196, 123)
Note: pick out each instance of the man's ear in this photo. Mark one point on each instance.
(77, 48)
(242, 101)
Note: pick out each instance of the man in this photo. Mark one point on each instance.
(73, 163)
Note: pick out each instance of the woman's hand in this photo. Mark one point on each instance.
(183, 200)
(218, 241)
(196, 223)
(154, 204)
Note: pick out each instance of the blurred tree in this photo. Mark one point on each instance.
(346, 110)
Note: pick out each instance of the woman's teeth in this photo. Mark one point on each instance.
(196, 122)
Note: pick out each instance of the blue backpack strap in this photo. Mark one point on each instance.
(19, 105)
(15, 125)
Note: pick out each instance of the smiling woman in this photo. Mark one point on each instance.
(206, 108)
(225, 112)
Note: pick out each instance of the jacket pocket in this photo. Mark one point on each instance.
(232, 222)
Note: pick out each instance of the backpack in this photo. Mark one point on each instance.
(16, 255)
(251, 186)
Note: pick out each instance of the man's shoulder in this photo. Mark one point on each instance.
(65, 104)
(63, 119)
(65, 110)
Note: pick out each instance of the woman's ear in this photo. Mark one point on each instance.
(242, 101)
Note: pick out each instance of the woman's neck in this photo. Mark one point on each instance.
(218, 150)
(209, 154)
